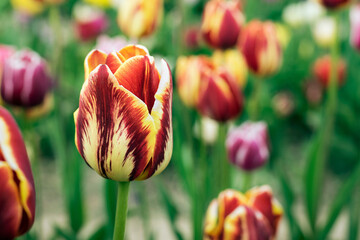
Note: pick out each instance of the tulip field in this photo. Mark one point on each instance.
(180, 119)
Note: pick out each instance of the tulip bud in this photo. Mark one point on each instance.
(322, 70)
(233, 215)
(221, 23)
(261, 48)
(219, 95)
(123, 126)
(25, 80)
(324, 31)
(90, 22)
(334, 4)
(188, 76)
(17, 190)
(140, 18)
(248, 146)
(355, 26)
(234, 62)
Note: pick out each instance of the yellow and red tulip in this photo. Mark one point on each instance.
(322, 70)
(234, 215)
(234, 62)
(123, 123)
(140, 18)
(261, 48)
(221, 23)
(334, 4)
(17, 190)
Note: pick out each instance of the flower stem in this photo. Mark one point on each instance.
(121, 210)
(247, 181)
(254, 100)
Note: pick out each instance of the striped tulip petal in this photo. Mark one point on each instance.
(15, 173)
(123, 124)
(261, 198)
(246, 223)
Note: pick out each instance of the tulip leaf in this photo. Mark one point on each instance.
(99, 233)
(354, 215)
(342, 197)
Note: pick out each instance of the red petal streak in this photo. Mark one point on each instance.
(14, 154)
(10, 206)
(139, 75)
(113, 127)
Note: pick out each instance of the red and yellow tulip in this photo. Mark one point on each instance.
(261, 48)
(233, 215)
(221, 23)
(123, 123)
(17, 190)
(140, 18)
(322, 70)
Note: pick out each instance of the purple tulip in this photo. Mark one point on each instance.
(355, 26)
(25, 79)
(248, 146)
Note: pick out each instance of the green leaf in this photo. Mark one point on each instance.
(342, 197)
(354, 215)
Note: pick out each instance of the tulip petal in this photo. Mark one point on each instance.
(14, 153)
(92, 60)
(162, 115)
(246, 223)
(261, 198)
(114, 131)
(10, 206)
(139, 75)
(113, 61)
(132, 51)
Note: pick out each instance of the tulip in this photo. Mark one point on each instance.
(90, 22)
(248, 146)
(123, 123)
(261, 48)
(25, 80)
(334, 4)
(100, 3)
(322, 70)
(355, 26)
(219, 95)
(324, 31)
(221, 23)
(233, 215)
(188, 76)
(17, 194)
(140, 18)
(234, 62)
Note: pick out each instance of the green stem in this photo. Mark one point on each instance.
(121, 210)
(247, 180)
(224, 166)
(254, 105)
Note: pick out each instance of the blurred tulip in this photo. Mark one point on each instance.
(29, 7)
(261, 48)
(123, 123)
(188, 77)
(100, 3)
(110, 44)
(248, 146)
(283, 104)
(304, 12)
(192, 37)
(313, 92)
(324, 31)
(25, 80)
(17, 194)
(334, 4)
(355, 26)
(221, 23)
(208, 129)
(140, 18)
(90, 22)
(234, 62)
(219, 95)
(233, 215)
(322, 70)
